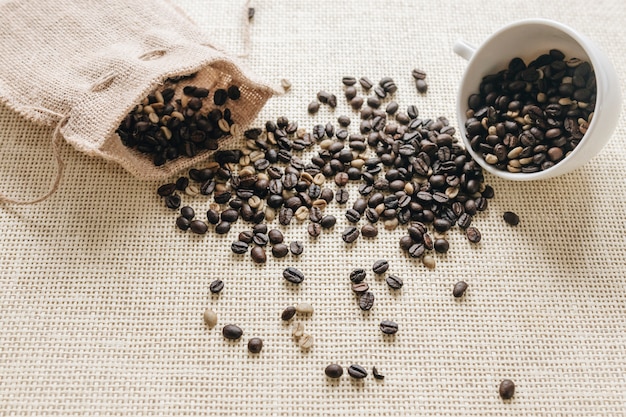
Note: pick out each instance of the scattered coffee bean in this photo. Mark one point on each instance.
(366, 83)
(429, 261)
(473, 234)
(314, 229)
(369, 231)
(304, 308)
(333, 371)
(216, 286)
(288, 313)
(511, 218)
(255, 345)
(348, 81)
(388, 327)
(459, 289)
(232, 332)
(306, 341)
(357, 371)
(441, 245)
(376, 374)
(394, 282)
(222, 228)
(293, 275)
(350, 234)
(182, 223)
(360, 288)
(342, 196)
(296, 247)
(210, 317)
(258, 255)
(366, 301)
(298, 330)
(357, 275)
(280, 250)
(328, 221)
(507, 389)
(421, 85)
(314, 107)
(275, 236)
(198, 227)
(380, 266)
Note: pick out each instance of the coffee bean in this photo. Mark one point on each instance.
(369, 231)
(360, 288)
(366, 83)
(418, 74)
(285, 215)
(421, 85)
(416, 250)
(314, 229)
(511, 218)
(288, 313)
(280, 250)
(258, 255)
(366, 301)
(348, 81)
(350, 234)
(507, 389)
(166, 189)
(388, 327)
(210, 317)
(297, 330)
(198, 227)
(222, 228)
(376, 374)
(357, 275)
(394, 282)
(356, 102)
(219, 96)
(333, 371)
(342, 196)
(238, 247)
(357, 372)
(313, 107)
(459, 289)
(246, 236)
(296, 248)
(182, 223)
(304, 308)
(216, 286)
(232, 332)
(306, 341)
(255, 345)
(441, 245)
(353, 216)
(293, 275)
(173, 201)
(275, 236)
(429, 261)
(464, 221)
(260, 239)
(473, 234)
(380, 266)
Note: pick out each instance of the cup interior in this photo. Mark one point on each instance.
(526, 40)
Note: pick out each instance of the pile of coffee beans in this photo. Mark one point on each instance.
(529, 117)
(166, 128)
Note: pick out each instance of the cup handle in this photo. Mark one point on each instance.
(464, 49)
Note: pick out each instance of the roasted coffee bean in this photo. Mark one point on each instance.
(246, 236)
(328, 221)
(353, 216)
(333, 371)
(416, 250)
(392, 107)
(441, 245)
(222, 228)
(260, 239)
(421, 85)
(166, 189)
(350, 234)
(280, 250)
(442, 225)
(376, 374)
(459, 289)
(347, 81)
(369, 230)
(380, 266)
(314, 229)
(255, 345)
(187, 212)
(464, 221)
(388, 327)
(232, 332)
(506, 389)
(216, 286)
(219, 96)
(366, 301)
(511, 218)
(357, 372)
(173, 201)
(342, 196)
(258, 255)
(275, 236)
(182, 223)
(229, 215)
(288, 313)
(366, 83)
(313, 107)
(360, 288)
(473, 234)
(239, 247)
(296, 248)
(198, 227)
(406, 242)
(293, 275)
(418, 74)
(285, 215)
(394, 282)
(357, 275)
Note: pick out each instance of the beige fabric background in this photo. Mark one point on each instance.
(101, 298)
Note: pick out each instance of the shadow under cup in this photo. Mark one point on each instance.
(529, 39)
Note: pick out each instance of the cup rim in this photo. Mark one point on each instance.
(583, 44)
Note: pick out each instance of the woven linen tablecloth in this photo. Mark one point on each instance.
(101, 297)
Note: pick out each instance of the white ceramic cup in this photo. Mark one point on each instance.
(528, 39)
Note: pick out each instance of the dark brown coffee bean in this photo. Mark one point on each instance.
(198, 227)
(229, 215)
(360, 288)
(353, 216)
(296, 248)
(275, 236)
(511, 218)
(376, 374)
(288, 313)
(392, 107)
(246, 236)
(506, 389)
(333, 371)
(388, 327)
(232, 332)
(473, 234)
(323, 96)
(219, 96)
(280, 250)
(293, 275)
(421, 85)
(380, 266)
(348, 81)
(258, 255)
(442, 225)
(369, 230)
(255, 345)
(328, 221)
(313, 107)
(187, 212)
(394, 282)
(418, 74)
(166, 189)
(366, 83)
(173, 201)
(239, 247)
(216, 286)
(366, 301)
(464, 221)
(285, 215)
(356, 102)
(260, 239)
(357, 275)
(441, 245)
(342, 196)
(314, 229)
(406, 242)
(350, 93)
(222, 228)
(350, 234)
(182, 223)
(357, 372)
(459, 289)
(416, 250)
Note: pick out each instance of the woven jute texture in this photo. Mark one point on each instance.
(101, 297)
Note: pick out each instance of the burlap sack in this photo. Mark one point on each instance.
(83, 65)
